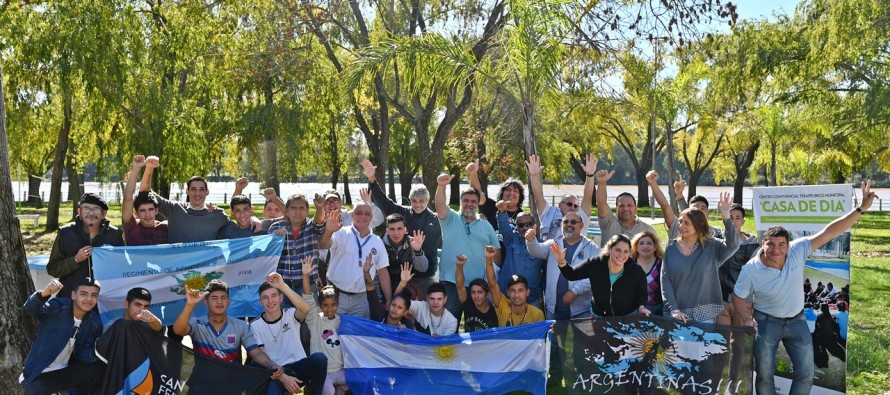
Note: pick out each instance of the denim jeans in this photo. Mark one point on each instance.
(795, 335)
(311, 370)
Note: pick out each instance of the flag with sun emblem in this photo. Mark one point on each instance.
(381, 359)
(167, 270)
(635, 354)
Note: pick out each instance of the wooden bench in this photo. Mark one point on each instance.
(35, 217)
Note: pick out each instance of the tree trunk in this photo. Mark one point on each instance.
(692, 185)
(55, 188)
(392, 183)
(347, 197)
(335, 156)
(75, 180)
(270, 148)
(34, 191)
(671, 169)
(743, 163)
(531, 148)
(772, 164)
(455, 186)
(16, 328)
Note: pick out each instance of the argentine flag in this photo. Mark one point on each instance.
(381, 359)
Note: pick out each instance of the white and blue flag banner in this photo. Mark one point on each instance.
(167, 269)
(381, 359)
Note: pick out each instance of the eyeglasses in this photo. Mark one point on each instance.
(571, 204)
(87, 209)
(524, 225)
(571, 222)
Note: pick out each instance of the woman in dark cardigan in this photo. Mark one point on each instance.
(617, 283)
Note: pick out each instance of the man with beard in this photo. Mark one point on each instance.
(627, 222)
(551, 217)
(71, 257)
(463, 233)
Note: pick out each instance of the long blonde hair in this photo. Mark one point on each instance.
(659, 252)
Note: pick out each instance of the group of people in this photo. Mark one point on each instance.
(519, 268)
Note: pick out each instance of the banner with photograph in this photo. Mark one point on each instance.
(804, 211)
(166, 270)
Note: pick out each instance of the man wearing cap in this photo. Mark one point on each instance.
(333, 202)
(70, 258)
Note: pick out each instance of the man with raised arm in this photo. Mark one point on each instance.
(550, 216)
(430, 316)
(215, 335)
(774, 278)
(463, 233)
(277, 330)
(349, 247)
(478, 312)
(63, 356)
(333, 202)
(512, 309)
(193, 220)
(301, 236)
(625, 220)
(401, 248)
(138, 216)
(418, 217)
(517, 259)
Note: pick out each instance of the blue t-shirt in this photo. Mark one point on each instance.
(776, 292)
(462, 238)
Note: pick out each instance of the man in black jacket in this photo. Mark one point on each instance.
(71, 257)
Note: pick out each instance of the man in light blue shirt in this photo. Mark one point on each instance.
(463, 233)
(774, 278)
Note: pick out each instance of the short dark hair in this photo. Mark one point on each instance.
(238, 200)
(145, 198)
(512, 182)
(623, 194)
(470, 191)
(517, 279)
(216, 285)
(296, 197)
(737, 207)
(394, 218)
(778, 231)
(435, 287)
(480, 282)
(188, 183)
(138, 293)
(264, 286)
(699, 198)
(87, 282)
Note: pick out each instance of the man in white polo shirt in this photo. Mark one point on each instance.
(774, 278)
(349, 247)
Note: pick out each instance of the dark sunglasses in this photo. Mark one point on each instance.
(573, 205)
(571, 221)
(524, 225)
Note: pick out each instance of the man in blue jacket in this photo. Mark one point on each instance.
(63, 355)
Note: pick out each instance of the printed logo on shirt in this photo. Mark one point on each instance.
(374, 251)
(230, 339)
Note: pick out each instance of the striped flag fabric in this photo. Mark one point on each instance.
(381, 359)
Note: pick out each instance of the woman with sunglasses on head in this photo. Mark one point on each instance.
(690, 280)
(617, 283)
(516, 258)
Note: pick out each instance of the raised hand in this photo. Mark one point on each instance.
(461, 260)
(152, 162)
(501, 205)
(365, 194)
(369, 169)
(194, 296)
(51, 288)
(269, 193)
(241, 183)
(603, 176)
(490, 253)
(366, 267)
(652, 177)
(444, 179)
(867, 196)
(318, 201)
(147, 316)
(589, 166)
(559, 254)
(332, 221)
(307, 264)
(416, 241)
(473, 167)
(138, 161)
(534, 165)
(531, 233)
(679, 186)
(724, 204)
(406, 274)
(275, 280)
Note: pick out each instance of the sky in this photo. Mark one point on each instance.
(763, 9)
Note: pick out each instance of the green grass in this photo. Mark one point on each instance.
(868, 355)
